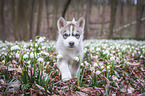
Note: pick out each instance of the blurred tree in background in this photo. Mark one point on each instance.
(25, 19)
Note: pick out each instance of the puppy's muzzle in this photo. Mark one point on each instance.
(71, 44)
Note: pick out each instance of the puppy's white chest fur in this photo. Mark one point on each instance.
(69, 47)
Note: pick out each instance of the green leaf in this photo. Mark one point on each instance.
(107, 89)
(116, 73)
(10, 83)
(82, 75)
(91, 78)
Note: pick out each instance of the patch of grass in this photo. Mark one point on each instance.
(109, 67)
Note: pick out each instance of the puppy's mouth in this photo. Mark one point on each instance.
(71, 46)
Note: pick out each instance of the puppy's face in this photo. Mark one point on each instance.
(71, 31)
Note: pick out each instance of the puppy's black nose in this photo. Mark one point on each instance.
(71, 43)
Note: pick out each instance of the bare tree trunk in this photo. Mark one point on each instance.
(82, 8)
(121, 16)
(67, 15)
(32, 19)
(17, 19)
(78, 10)
(39, 17)
(112, 18)
(55, 18)
(20, 18)
(129, 13)
(65, 7)
(88, 12)
(2, 21)
(47, 14)
(13, 18)
(103, 18)
(127, 25)
(139, 13)
(25, 30)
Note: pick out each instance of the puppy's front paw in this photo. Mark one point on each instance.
(66, 77)
(76, 59)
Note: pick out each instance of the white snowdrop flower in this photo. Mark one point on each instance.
(124, 48)
(111, 55)
(3, 61)
(15, 47)
(133, 54)
(31, 55)
(36, 45)
(119, 53)
(39, 48)
(31, 48)
(92, 49)
(115, 78)
(28, 62)
(92, 69)
(43, 47)
(106, 52)
(108, 67)
(132, 47)
(76, 59)
(117, 58)
(38, 54)
(86, 63)
(25, 56)
(95, 65)
(102, 67)
(112, 58)
(45, 53)
(14, 62)
(98, 72)
(31, 44)
(113, 52)
(48, 47)
(24, 46)
(137, 48)
(3, 49)
(5, 54)
(47, 62)
(59, 56)
(17, 55)
(100, 63)
(10, 56)
(82, 64)
(143, 50)
(40, 59)
(130, 90)
(27, 53)
(41, 39)
(98, 49)
(139, 52)
(141, 56)
(135, 51)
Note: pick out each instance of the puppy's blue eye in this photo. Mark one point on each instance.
(77, 36)
(65, 36)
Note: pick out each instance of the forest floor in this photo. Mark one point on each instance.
(110, 67)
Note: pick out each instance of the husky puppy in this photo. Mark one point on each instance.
(69, 46)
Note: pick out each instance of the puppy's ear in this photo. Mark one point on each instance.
(81, 22)
(61, 23)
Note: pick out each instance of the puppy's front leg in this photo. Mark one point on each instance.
(63, 67)
(75, 66)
